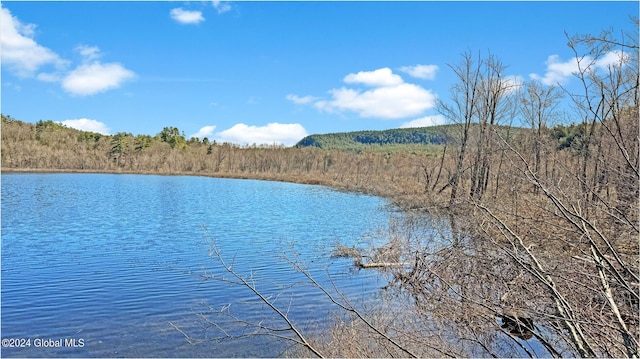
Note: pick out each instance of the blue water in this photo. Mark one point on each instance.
(112, 260)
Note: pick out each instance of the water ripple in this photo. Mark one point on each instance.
(113, 259)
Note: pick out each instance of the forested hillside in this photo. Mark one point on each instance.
(360, 140)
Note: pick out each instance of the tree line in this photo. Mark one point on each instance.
(412, 173)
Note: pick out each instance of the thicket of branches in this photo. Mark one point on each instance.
(548, 245)
(539, 228)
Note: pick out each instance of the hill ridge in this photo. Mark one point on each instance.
(357, 139)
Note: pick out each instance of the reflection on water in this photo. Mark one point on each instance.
(112, 259)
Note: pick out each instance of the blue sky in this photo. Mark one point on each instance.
(269, 72)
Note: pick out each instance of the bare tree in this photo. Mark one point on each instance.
(538, 104)
(465, 97)
(607, 69)
(494, 106)
(480, 101)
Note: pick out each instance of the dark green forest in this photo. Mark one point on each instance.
(360, 140)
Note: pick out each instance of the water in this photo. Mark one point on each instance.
(111, 261)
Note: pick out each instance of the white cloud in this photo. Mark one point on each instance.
(206, 131)
(425, 121)
(220, 6)
(20, 52)
(426, 72)
(282, 133)
(390, 97)
(301, 100)
(390, 102)
(90, 79)
(186, 16)
(85, 124)
(559, 72)
(49, 77)
(377, 78)
(92, 76)
(88, 52)
(613, 58)
(22, 55)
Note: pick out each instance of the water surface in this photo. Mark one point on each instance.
(114, 259)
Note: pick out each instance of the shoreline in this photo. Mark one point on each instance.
(287, 179)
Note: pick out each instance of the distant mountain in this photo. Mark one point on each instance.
(434, 135)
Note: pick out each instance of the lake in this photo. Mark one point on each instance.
(104, 264)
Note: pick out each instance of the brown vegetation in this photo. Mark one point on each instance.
(552, 248)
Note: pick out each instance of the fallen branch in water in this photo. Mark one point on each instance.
(380, 264)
